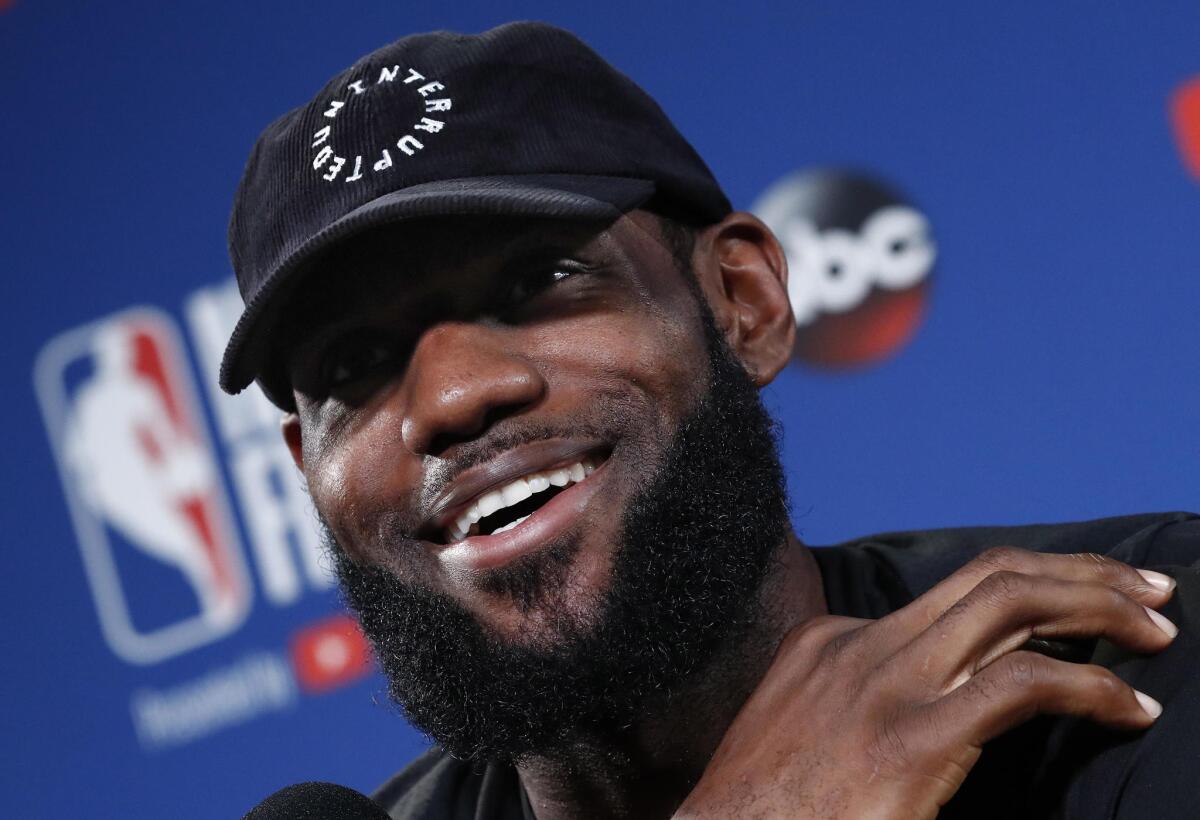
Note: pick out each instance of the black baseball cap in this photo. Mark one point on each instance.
(524, 120)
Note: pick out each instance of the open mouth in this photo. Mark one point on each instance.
(503, 508)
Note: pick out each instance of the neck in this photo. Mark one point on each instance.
(647, 769)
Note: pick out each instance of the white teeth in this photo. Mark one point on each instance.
(514, 493)
(510, 524)
(489, 503)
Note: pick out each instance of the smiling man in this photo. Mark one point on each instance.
(518, 334)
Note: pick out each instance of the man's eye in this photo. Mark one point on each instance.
(354, 359)
(534, 282)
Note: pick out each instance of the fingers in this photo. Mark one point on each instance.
(1006, 609)
(1023, 684)
(1148, 588)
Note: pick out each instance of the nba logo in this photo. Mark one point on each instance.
(143, 486)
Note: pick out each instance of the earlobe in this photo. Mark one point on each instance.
(749, 295)
(289, 425)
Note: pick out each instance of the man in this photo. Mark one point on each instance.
(518, 334)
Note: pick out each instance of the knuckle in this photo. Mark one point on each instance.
(812, 635)
(1094, 559)
(844, 649)
(1104, 684)
(887, 748)
(794, 640)
(1004, 586)
(1023, 670)
(1002, 558)
(1116, 599)
(1106, 570)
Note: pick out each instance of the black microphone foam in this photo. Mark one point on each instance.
(317, 801)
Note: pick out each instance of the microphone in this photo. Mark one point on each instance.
(317, 801)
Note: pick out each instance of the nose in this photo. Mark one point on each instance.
(462, 378)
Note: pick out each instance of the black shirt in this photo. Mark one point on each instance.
(1048, 768)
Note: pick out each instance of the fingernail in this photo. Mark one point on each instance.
(1152, 707)
(1161, 622)
(1164, 583)
(959, 679)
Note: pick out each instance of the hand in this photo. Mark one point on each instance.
(884, 719)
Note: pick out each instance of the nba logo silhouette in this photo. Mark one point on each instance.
(142, 485)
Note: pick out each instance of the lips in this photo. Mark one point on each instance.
(496, 495)
(529, 533)
(501, 509)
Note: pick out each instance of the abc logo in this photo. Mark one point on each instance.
(859, 261)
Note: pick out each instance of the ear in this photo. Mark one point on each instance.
(743, 272)
(292, 437)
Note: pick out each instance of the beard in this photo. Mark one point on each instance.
(697, 541)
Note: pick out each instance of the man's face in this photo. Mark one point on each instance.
(563, 385)
(433, 381)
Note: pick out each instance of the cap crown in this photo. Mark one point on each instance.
(523, 100)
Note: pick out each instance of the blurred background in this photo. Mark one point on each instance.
(992, 220)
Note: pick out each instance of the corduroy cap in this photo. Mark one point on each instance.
(522, 120)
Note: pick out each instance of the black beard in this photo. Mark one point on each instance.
(697, 543)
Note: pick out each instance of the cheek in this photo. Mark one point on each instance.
(358, 482)
(660, 361)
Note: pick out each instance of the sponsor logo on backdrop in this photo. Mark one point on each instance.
(226, 694)
(860, 257)
(147, 494)
(1185, 119)
(330, 654)
(143, 486)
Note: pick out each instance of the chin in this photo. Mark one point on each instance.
(530, 591)
(535, 600)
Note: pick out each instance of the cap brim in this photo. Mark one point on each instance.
(558, 196)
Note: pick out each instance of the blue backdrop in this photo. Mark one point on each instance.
(1054, 375)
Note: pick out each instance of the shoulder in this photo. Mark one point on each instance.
(921, 558)
(1083, 770)
(1080, 770)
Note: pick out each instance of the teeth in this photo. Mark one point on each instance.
(490, 502)
(514, 493)
(510, 524)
